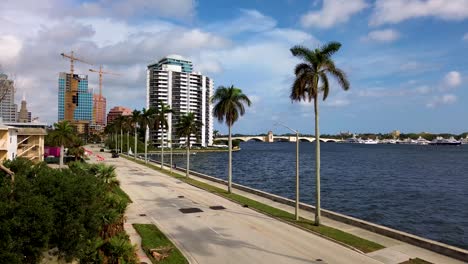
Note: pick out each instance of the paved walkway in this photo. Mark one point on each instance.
(237, 234)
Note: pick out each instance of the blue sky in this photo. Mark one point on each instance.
(406, 59)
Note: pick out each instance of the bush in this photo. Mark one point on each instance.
(70, 209)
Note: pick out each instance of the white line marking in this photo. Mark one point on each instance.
(215, 232)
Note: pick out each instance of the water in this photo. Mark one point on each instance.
(422, 190)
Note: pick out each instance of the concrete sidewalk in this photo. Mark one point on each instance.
(241, 235)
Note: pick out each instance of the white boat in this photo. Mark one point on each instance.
(353, 140)
(369, 142)
(443, 141)
(464, 140)
(422, 141)
(388, 141)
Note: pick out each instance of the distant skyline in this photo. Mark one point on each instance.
(406, 59)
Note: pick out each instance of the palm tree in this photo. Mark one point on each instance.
(188, 125)
(120, 124)
(215, 133)
(63, 135)
(229, 105)
(164, 110)
(311, 80)
(147, 120)
(135, 118)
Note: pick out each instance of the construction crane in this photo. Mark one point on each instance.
(72, 60)
(101, 72)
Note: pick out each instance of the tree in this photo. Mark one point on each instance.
(188, 126)
(215, 133)
(63, 135)
(147, 120)
(76, 148)
(311, 80)
(135, 119)
(6, 85)
(229, 105)
(164, 110)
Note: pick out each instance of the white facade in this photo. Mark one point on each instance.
(184, 92)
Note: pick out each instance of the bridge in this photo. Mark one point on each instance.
(272, 138)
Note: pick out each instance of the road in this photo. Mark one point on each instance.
(232, 235)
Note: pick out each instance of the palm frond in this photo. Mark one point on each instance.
(330, 48)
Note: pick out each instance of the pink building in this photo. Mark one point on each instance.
(118, 111)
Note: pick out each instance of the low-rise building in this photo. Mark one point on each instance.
(117, 111)
(8, 142)
(29, 140)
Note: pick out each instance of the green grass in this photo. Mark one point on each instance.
(416, 261)
(361, 244)
(152, 237)
(118, 191)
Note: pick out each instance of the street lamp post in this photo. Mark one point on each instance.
(297, 169)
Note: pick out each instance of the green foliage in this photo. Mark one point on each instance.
(152, 237)
(110, 143)
(229, 104)
(188, 125)
(73, 209)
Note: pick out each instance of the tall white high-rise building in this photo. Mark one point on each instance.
(172, 81)
(8, 108)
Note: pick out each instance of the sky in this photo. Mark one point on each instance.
(406, 59)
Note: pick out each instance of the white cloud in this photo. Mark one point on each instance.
(337, 102)
(10, 46)
(452, 79)
(333, 12)
(396, 11)
(248, 21)
(385, 35)
(465, 37)
(445, 99)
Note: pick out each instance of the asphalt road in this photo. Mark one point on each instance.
(232, 235)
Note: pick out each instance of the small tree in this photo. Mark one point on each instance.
(188, 126)
(63, 135)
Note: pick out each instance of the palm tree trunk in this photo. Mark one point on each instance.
(317, 164)
(62, 152)
(136, 150)
(230, 162)
(162, 148)
(188, 157)
(121, 140)
(128, 141)
(146, 144)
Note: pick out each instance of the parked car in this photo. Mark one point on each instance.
(115, 155)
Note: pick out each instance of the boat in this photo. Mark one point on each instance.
(422, 141)
(464, 140)
(369, 142)
(442, 141)
(388, 141)
(353, 140)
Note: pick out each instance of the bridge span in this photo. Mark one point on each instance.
(272, 138)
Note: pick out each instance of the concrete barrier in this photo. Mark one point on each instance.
(431, 245)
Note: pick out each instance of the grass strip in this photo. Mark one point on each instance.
(416, 261)
(361, 244)
(152, 237)
(123, 195)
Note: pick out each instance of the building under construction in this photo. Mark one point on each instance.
(75, 101)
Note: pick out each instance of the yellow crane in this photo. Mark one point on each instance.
(72, 60)
(101, 72)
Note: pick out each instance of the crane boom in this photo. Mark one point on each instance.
(101, 72)
(72, 60)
